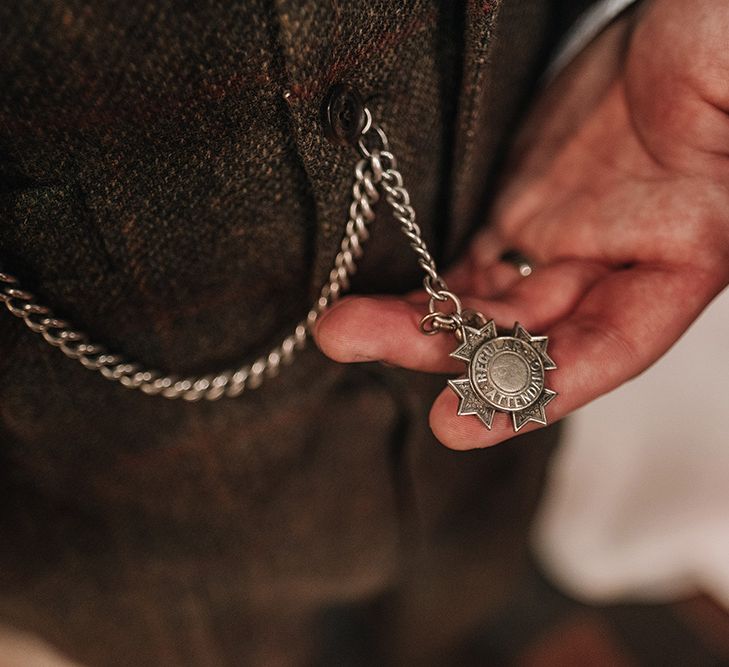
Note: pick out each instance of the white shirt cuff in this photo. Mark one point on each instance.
(588, 26)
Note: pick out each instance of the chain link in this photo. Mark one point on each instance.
(377, 169)
(385, 173)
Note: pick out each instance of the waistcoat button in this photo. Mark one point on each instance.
(344, 115)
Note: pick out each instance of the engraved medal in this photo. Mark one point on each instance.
(505, 374)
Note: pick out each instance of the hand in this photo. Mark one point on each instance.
(619, 191)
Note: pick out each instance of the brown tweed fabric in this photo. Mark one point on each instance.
(166, 186)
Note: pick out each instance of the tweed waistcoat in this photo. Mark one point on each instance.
(166, 185)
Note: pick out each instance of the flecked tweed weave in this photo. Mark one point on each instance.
(166, 185)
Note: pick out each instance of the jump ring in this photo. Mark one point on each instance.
(445, 295)
(429, 324)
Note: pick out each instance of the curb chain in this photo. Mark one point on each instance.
(374, 173)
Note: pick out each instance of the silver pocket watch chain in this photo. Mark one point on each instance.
(505, 373)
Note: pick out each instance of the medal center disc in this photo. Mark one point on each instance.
(507, 373)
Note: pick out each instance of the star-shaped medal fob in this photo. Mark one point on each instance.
(505, 374)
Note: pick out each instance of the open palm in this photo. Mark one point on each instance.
(619, 193)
